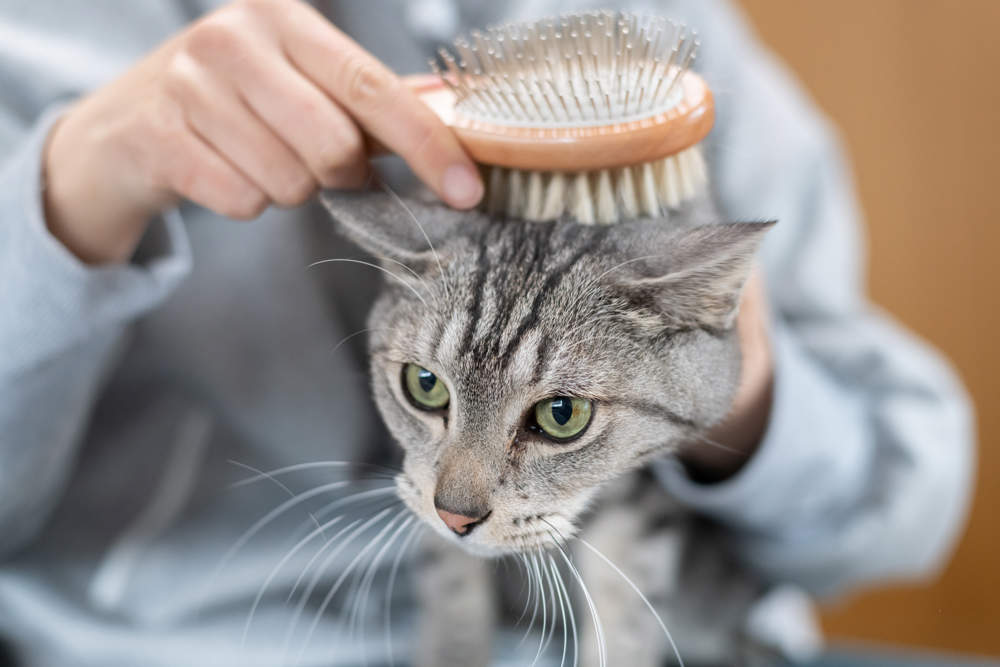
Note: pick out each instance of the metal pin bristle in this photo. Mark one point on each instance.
(591, 68)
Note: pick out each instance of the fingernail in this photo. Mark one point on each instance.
(461, 185)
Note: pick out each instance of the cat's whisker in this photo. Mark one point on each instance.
(384, 270)
(414, 532)
(534, 586)
(564, 595)
(320, 529)
(319, 552)
(545, 604)
(353, 335)
(555, 599)
(272, 515)
(268, 476)
(564, 541)
(314, 580)
(526, 584)
(408, 269)
(557, 594)
(386, 472)
(598, 626)
(357, 497)
(340, 580)
(623, 264)
(708, 441)
(638, 592)
(437, 258)
(327, 510)
(366, 584)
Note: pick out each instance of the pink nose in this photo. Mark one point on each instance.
(459, 523)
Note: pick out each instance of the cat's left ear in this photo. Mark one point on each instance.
(411, 231)
(693, 277)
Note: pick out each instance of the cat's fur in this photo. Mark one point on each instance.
(637, 317)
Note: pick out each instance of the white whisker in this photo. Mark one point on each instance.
(635, 588)
(340, 580)
(363, 495)
(407, 268)
(564, 594)
(351, 336)
(272, 478)
(366, 583)
(307, 593)
(555, 599)
(598, 627)
(414, 532)
(267, 582)
(532, 583)
(719, 445)
(625, 263)
(545, 614)
(374, 266)
(304, 466)
(437, 258)
(273, 514)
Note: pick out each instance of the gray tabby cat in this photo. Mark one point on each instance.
(529, 371)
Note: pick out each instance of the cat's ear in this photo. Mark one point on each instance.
(696, 278)
(411, 231)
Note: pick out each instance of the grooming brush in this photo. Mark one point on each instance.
(594, 116)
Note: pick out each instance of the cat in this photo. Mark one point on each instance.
(530, 372)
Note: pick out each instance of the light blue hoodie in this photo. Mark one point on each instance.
(125, 390)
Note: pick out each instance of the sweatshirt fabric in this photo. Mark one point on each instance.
(133, 396)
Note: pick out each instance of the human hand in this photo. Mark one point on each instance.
(260, 102)
(730, 443)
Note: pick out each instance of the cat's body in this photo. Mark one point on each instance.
(530, 370)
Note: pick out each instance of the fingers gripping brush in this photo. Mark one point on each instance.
(592, 116)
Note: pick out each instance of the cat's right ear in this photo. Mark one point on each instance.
(411, 231)
(693, 277)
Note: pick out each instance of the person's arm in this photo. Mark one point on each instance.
(260, 102)
(61, 322)
(865, 467)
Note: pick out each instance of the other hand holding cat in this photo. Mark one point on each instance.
(735, 439)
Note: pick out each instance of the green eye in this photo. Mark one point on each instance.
(562, 417)
(424, 388)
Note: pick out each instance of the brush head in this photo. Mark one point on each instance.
(595, 115)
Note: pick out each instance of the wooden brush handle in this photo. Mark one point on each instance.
(576, 148)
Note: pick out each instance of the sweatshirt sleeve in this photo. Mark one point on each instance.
(60, 324)
(866, 468)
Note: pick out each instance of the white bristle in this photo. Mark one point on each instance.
(555, 197)
(515, 192)
(652, 189)
(579, 70)
(647, 190)
(627, 195)
(581, 203)
(607, 204)
(535, 199)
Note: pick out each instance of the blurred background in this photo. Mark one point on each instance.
(914, 88)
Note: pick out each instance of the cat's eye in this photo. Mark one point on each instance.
(562, 418)
(425, 389)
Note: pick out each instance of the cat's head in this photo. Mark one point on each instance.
(522, 365)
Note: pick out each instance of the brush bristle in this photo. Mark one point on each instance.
(579, 70)
(653, 189)
(586, 69)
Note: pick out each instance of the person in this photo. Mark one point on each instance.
(148, 339)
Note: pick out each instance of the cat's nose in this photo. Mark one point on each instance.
(460, 524)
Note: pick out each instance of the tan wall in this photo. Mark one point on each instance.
(914, 86)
